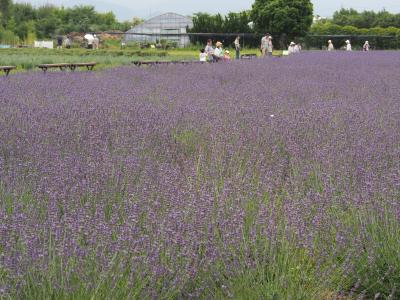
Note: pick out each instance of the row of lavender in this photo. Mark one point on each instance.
(270, 178)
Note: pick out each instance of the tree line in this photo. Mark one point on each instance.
(382, 28)
(284, 19)
(24, 20)
(290, 20)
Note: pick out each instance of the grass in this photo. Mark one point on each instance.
(28, 59)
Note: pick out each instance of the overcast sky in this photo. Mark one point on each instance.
(127, 9)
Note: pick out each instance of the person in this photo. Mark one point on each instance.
(264, 45)
(291, 48)
(67, 42)
(366, 46)
(203, 55)
(227, 56)
(297, 48)
(89, 39)
(209, 50)
(218, 53)
(96, 42)
(59, 41)
(270, 46)
(330, 46)
(348, 45)
(237, 47)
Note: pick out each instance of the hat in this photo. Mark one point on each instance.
(347, 42)
(227, 51)
(292, 44)
(329, 41)
(218, 44)
(366, 42)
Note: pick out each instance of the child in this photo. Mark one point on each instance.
(227, 56)
(203, 55)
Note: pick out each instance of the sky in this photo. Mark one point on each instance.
(127, 9)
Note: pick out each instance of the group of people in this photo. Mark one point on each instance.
(294, 48)
(61, 41)
(92, 41)
(347, 47)
(266, 45)
(211, 54)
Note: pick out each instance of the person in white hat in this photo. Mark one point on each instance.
(330, 46)
(348, 46)
(218, 52)
(366, 46)
(291, 48)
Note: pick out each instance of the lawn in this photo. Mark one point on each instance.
(274, 178)
(28, 58)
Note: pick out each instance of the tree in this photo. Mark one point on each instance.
(136, 21)
(292, 18)
(365, 19)
(5, 10)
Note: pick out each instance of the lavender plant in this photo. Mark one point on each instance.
(264, 179)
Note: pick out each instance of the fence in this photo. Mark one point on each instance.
(252, 40)
(357, 41)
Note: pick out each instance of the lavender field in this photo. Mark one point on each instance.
(263, 179)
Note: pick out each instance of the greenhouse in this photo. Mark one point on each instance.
(170, 27)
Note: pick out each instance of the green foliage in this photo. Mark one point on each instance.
(8, 37)
(379, 37)
(5, 9)
(282, 17)
(231, 23)
(49, 20)
(365, 19)
(28, 59)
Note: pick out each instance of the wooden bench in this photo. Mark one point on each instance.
(44, 67)
(89, 66)
(64, 66)
(248, 56)
(7, 69)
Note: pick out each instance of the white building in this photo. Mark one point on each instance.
(169, 23)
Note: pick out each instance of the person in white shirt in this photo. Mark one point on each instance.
(209, 50)
(366, 46)
(291, 48)
(348, 45)
(330, 46)
(203, 55)
(264, 45)
(218, 52)
(237, 47)
(297, 48)
(96, 42)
